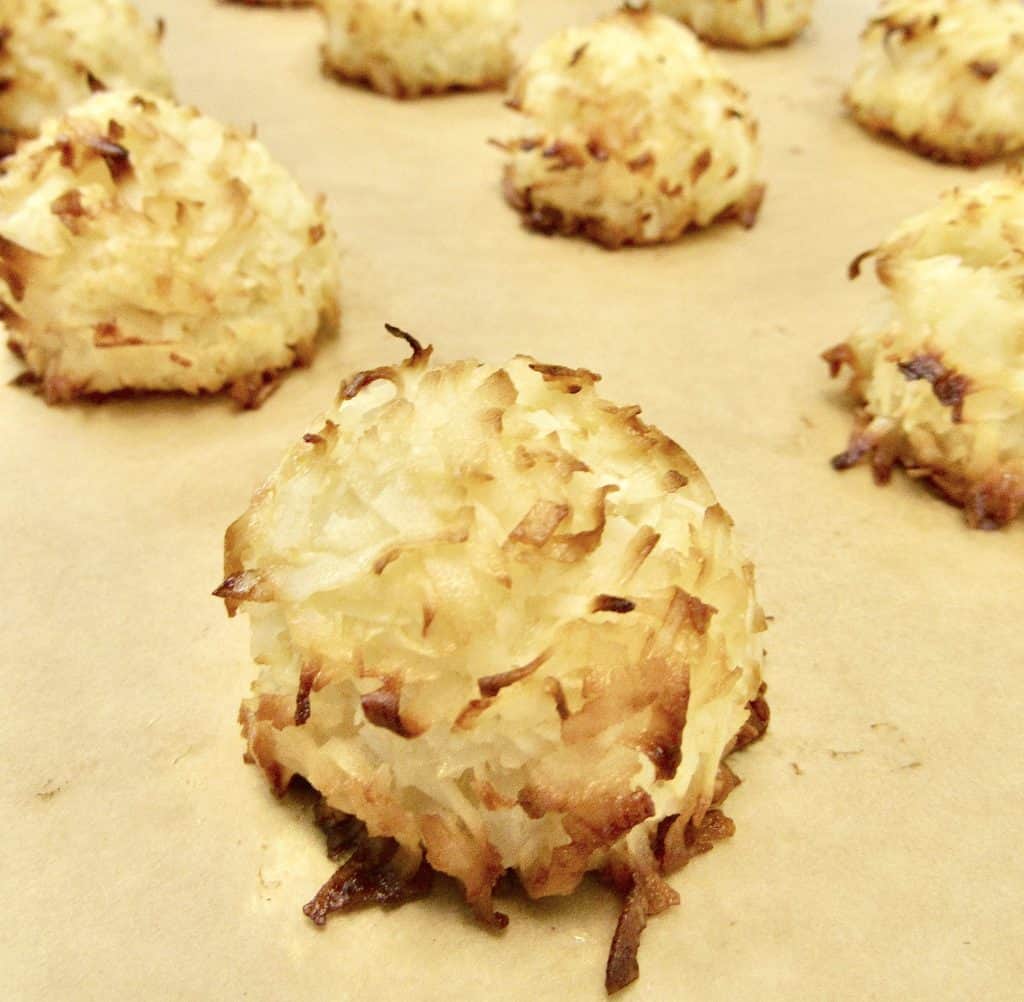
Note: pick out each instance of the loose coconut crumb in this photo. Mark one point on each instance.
(940, 389)
(503, 623)
(636, 135)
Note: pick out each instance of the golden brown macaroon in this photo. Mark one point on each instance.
(746, 24)
(505, 625)
(940, 388)
(144, 246)
(634, 135)
(54, 53)
(944, 77)
(408, 48)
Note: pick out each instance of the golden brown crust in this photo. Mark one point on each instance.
(395, 87)
(248, 393)
(881, 126)
(375, 871)
(990, 503)
(549, 221)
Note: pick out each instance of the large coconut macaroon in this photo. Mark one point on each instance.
(747, 24)
(144, 246)
(407, 48)
(54, 53)
(503, 623)
(945, 77)
(940, 388)
(636, 134)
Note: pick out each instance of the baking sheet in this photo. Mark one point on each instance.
(876, 853)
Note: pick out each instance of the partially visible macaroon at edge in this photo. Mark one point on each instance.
(55, 54)
(741, 24)
(939, 389)
(944, 78)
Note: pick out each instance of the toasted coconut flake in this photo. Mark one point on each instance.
(674, 844)
(419, 353)
(637, 135)
(491, 685)
(496, 699)
(683, 840)
(940, 389)
(746, 24)
(374, 872)
(945, 77)
(381, 708)
(757, 722)
(853, 271)
(612, 603)
(302, 705)
(623, 968)
(538, 525)
(343, 832)
(410, 48)
(180, 264)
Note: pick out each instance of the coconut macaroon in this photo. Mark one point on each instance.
(503, 623)
(940, 389)
(636, 135)
(407, 48)
(945, 77)
(54, 53)
(746, 24)
(144, 246)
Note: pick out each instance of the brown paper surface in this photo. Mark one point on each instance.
(878, 826)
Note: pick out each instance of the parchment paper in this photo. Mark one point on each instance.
(878, 828)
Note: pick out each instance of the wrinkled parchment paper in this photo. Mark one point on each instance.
(878, 827)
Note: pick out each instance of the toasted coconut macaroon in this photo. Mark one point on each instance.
(505, 624)
(940, 389)
(408, 48)
(945, 77)
(746, 24)
(637, 135)
(144, 246)
(55, 53)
